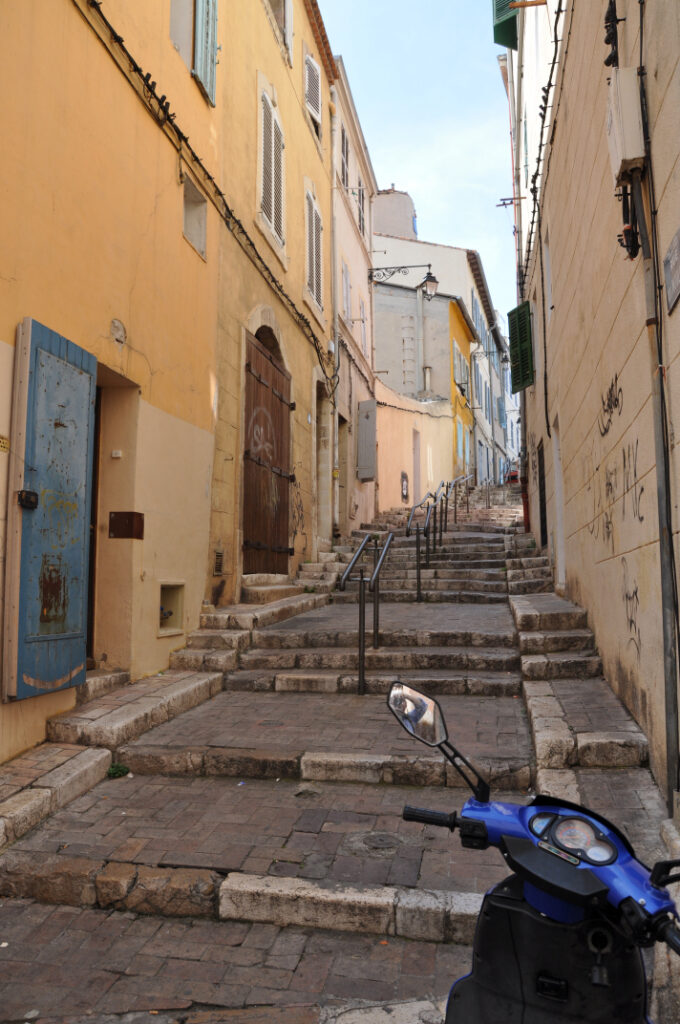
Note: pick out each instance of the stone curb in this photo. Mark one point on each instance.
(237, 762)
(411, 914)
(54, 789)
(195, 892)
(237, 617)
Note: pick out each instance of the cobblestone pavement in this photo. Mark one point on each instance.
(63, 964)
(484, 726)
(630, 798)
(331, 832)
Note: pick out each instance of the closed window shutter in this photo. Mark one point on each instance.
(205, 46)
(288, 27)
(361, 206)
(366, 441)
(504, 24)
(267, 160)
(521, 351)
(317, 257)
(362, 314)
(313, 88)
(310, 243)
(344, 157)
(278, 180)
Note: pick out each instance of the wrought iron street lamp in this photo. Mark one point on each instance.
(429, 284)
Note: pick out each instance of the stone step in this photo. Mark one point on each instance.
(126, 713)
(532, 586)
(395, 582)
(441, 596)
(266, 594)
(442, 573)
(551, 641)
(219, 639)
(386, 659)
(540, 562)
(100, 681)
(299, 639)
(538, 573)
(435, 681)
(582, 722)
(546, 612)
(197, 659)
(561, 665)
(245, 617)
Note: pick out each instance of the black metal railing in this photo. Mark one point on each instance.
(436, 520)
(379, 556)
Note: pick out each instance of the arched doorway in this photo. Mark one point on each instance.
(266, 456)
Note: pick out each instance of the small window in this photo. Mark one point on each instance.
(195, 216)
(344, 158)
(272, 199)
(314, 227)
(313, 92)
(361, 209)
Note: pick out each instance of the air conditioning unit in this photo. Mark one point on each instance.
(624, 124)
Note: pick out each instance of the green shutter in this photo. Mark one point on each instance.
(205, 46)
(504, 24)
(521, 352)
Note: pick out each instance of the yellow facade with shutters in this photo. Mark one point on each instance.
(137, 224)
(462, 336)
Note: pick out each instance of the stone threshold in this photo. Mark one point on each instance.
(423, 915)
(315, 766)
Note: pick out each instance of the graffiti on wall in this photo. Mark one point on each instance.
(631, 600)
(612, 402)
(630, 481)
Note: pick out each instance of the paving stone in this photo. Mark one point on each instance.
(75, 777)
(48, 877)
(611, 750)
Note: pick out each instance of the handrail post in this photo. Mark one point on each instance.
(455, 502)
(362, 634)
(446, 509)
(375, 552)
(427, 547)
(376, 612)
(434, 534)
(441, 520)
(419, 591)
(467, 496)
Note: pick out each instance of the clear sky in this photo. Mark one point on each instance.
(433, 109)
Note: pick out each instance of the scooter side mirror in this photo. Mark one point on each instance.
(420, 715)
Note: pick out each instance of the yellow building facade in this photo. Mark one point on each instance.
(164, 247)
(462, 336)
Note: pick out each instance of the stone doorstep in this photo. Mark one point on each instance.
(198, 892)
(251, 616)
(50, 791)
(117, 724)
(315, 766)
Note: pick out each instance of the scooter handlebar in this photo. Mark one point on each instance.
(426, 817)
(668, 932)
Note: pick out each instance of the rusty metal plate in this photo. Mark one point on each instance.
(126, 525)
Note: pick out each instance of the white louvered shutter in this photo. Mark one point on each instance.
(317, 257)
(267, 160)
(278, 183)
(310, 243)
(288, 27)
(313, 88)
(205, 46)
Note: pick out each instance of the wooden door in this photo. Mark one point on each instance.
(266, 469)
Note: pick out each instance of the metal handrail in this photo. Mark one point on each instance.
(376, 572)
(418, 505)
(357, 555)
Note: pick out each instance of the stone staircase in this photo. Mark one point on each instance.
(267, 789)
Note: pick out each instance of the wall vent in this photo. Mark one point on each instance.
(218, 568)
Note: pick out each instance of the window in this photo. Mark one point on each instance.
(283, 13)
(193, 30)
(314, 226)
(344, 158)
(195, 216)
(360, 207)
(362, 314)
(346, 293)
(521, 353)
(272, 169)
(313, 92)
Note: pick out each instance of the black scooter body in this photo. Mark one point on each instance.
(528, 969)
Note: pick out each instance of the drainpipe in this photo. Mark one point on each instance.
(670, 668)
(334, 304)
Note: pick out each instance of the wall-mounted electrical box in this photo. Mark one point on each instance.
(624, 123)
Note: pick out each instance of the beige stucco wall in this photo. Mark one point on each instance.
(398, 418)
(599, 369)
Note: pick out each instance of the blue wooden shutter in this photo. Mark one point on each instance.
(205, 46)
(521, 352)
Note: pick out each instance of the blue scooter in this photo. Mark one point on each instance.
(559, 940)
